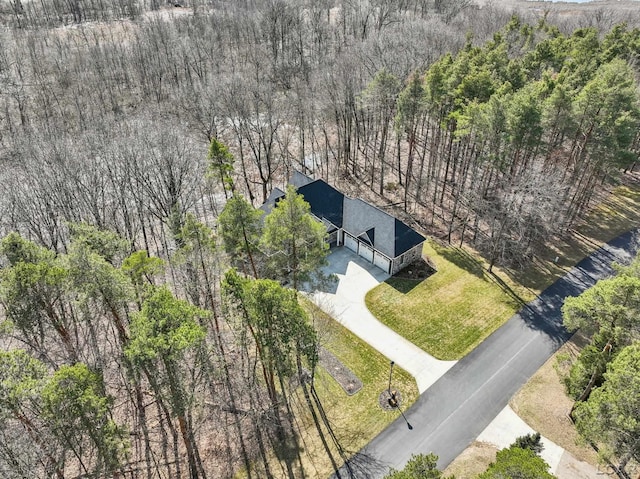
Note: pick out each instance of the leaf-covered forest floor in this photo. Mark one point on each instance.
(355, 419)
(615, 210)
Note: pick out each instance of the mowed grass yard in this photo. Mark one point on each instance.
(450, 312)
(355, 419)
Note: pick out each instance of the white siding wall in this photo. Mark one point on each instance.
(381, 261)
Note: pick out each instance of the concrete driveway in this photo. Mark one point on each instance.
(344, 300)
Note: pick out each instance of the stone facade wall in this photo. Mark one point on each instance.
(407, 258)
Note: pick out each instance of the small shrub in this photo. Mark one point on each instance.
(529, 441)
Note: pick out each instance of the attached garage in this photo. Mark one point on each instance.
(366, 252)
(381, 261)
(350, 242)
(368, 231)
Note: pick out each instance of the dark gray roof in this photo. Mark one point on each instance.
(383, 231)
(300, 179)
(406, 238)
(386, 233)
(273, 198)
(325, 201)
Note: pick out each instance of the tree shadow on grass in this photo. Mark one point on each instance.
(544, 270)
(466, 261)
(361, 465)
(462, 259)
(515, 297)
(288, 452)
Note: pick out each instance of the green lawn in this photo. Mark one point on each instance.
(355, 419)
(449, 313)
(359, 416)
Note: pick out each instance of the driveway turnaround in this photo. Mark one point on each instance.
(344, 300)
(460, 405)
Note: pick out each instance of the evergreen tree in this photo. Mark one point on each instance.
(293, 242)
(517, 463)
(610, 416)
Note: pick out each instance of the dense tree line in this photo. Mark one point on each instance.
(604, 378)
(505, 143)
(109, 372)
(118, 362)
(86, 110)
(499, 143)
(128, 137)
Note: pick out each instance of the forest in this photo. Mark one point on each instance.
(131, 131)
(603, 382)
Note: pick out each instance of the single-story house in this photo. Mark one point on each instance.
(365, 229)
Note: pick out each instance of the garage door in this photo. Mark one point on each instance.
(381, 262)
(366, 252)
(351, 243)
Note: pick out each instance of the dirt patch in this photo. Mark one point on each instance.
(390, 400)
(543, 404)
(338, 371)
(473, 461)
(579, 470)
(418, 270)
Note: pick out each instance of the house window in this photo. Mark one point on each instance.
(402, 259)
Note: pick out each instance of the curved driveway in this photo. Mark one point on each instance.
(344, 300)
(458, 407)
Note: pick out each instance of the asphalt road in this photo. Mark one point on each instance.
(461, 404)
